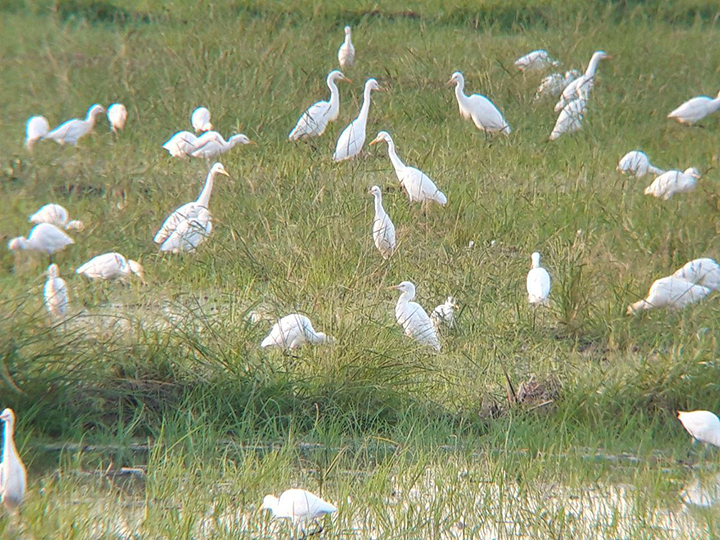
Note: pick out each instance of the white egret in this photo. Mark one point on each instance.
(12, 471)
(44, 237)
(190, 233)
(484, 114)
(316, 118)
(73, 130)
(445, 313)
(536, 61)
(413, 318)
(583, 84)
(56, 215)
(705, 272)
(117, 116)
(352, 139)
(383, 230)
(555, 83)
(346, 52)
(55, 293)
(638, 164)
(695, 109)
(211, 144)
(668, 184)
(570, 119)
(538, 282)
(703, 426)
(181, 145)
(35, 129)
(299, 506)
(200, 120)
(293, 331)
(111, 266)
(190, 210)
(671, 292)
(416, 183)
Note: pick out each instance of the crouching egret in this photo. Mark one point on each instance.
(638, 164)
(413, 318)
(73, 130)
(570, 119)
(117, 116)
(55, 215)
(538, 282)
(316, 118)
(12, 470)
(703, 426)
(668, 184)
(417, 184)
(705, 272)
(536, 61)
(181, 145)
(383, 230)
(200, 120)
(445, 313)
(299, 506)
(484, 114)
(555, 83)
(352, 139)
(189, 234)
(346, 52)
(671, 292)
(695, 109)
(35, 129)
(583, 84)
(109, 267)
(211, 144)
(44, 237)
(293, 331)
(55, 293)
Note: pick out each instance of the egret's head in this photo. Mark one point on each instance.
(372, 84)
(240, 138)
(405, 287)
(218, 168)
(535, 258)
(53, 271)
(74, 225)
(8, 416)
(375, 191)
(17, 243)
(324, 338)
(347, 30)
(456, 78)
(718, 95)
(137, 269)
(451, 302)
(337, 75)
(602, 55)
(692, 171)
(382, 136)
(95, 110)
(270, 502)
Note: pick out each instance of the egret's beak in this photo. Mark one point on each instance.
(608, 57)
(224, 172)
(450, 82)
(393, 288)
(252, 142)
(346, 80)
(381, 89)
(374, 142)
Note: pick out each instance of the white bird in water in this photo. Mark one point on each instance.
(293, 331)
(299, 506)
(538, 282)
(413, 318)
(695, 109)
(705, 272)
(484, 114)
(555, 83)
(416, 183)
(181, 145)
(200, 120)
(570, 119)
(35, 129)
(211, 144)
(117, 116)
(583, 84)
(316, 118)
(111, 266)
(189, 234)
(703, 426)
(670, 292)
(44, 237)
(352, 139)
(73, 130)
(346, 52)
(536, 61)
(637, 163)
(668, 184)
(55, 293)
(56, 215)
(445, 313)
(190, 210)
(12, 470)
(383, 230)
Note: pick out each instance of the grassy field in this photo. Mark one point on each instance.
(411, 444)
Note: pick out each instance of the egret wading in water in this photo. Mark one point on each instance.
(555, 83)
(668, 184)
(293, 331)
(638, 164)
(670, 292)
(72, 131)
(55, 293)
(536, 61)
(44, 237)
(583, 84)
(56, 215)
(383, 230)
(705, 272)
(570, 119)
(413, 318)
(346, 52)
(299, 506)
(211, 144)
(315, 119)
(181, 145)
(35, 129)
(200, 120)
(538, 282)
(445, 313)
(703, 426)
(695, 109)
(351, 140)
(417, 184)
(189, 234)
(111, 266)
(117, 116)
(484, 114)
(12, 470)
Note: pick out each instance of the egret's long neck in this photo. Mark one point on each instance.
(592, 66)
(204, 198)
(348, 41)
(460, 93)
(396, 161)
(715, 105)
(90, 119)
(230, 143)
(406, 297)
(8, 441)
(379, 210)
(315, 337)
(365, 110)
(334, 95)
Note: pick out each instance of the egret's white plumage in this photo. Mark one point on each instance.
(346, 52)
(297, 505)
(200, 120)
(445, 313)
(536, 61)
(538, 282)
(211, 144)
(705, 272)
(570, 119)
(352, 139)
(637, 163)
(117, 116)
(703, 426)
(293, 331)
(73, 130)
(383, 230)
(57, 215)
(181, 145)
(12, 470)
(35, 129)
(316, 118)
(110, 266)
(416, 183)
(668, 184)
(671, 292)
(190, 233)
(555, 83)
(55, 293)
(190, 210)
(44, 237)
(582, 86)
(695, 109)
(484, 114)
(413, 318)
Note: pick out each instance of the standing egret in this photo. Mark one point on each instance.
(299, 506)
(383, 230)
(538, 282)
(570, 119)
(638, 164)
(190, 210)
(705, 272)
(316, 118)
(189, 234)
(703, 426)
(181, 145)
(695, 109)
(352, 139)
(671, 292)
(583, 84)
(56, 215)
(73, 130)
(117, 116)
(44, 237)
(211, 144)
(555, 83)
(416, 183)
(536, 61)
(293, 331)
(200, 120)
(346, 52)
(55, 293)
(484, 114)
(35, 129)
(413, 318)
(668, 184)
(12, 470)
(110, 266)
(445, 313)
